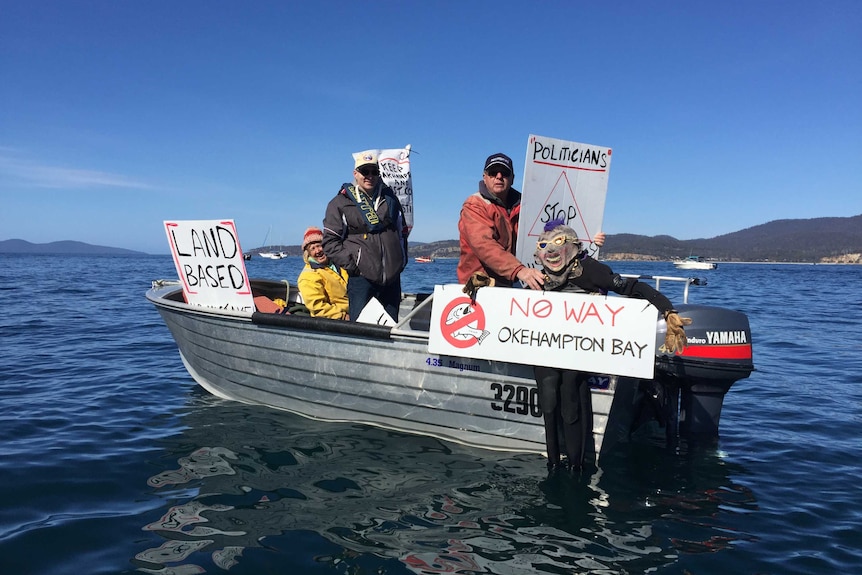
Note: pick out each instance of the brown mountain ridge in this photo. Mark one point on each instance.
(801, 240)
(837, 240)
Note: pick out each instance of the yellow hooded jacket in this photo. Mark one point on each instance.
(324, 291)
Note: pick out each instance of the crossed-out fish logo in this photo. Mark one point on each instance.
(463, 323)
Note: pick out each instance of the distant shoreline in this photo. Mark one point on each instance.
(719, 262)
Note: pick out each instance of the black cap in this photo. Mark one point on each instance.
(499, 159)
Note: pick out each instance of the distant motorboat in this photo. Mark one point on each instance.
(423, 260)
(694, 263)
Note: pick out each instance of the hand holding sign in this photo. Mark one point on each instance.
(476, 281)
(675, 340)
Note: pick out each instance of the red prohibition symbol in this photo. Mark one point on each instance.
(462, 323)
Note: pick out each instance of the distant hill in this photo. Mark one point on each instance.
(66, 247)
(803, 240)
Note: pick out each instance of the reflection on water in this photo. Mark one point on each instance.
(245, 488)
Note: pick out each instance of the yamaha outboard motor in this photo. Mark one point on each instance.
(693, 384)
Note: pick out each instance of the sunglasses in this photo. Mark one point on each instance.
(557, 241)
(505, 172)
(368, 171)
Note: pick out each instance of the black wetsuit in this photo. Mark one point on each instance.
(564, 394)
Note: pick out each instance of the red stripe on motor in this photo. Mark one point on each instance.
(718, 351)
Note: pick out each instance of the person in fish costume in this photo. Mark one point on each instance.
(564, 394)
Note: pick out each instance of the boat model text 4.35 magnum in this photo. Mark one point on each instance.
(385, 376)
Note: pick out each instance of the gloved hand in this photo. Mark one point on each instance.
(477, 280)
(675, 339)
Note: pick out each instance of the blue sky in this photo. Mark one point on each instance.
(117, 115)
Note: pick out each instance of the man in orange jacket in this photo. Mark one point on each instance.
(488, 229)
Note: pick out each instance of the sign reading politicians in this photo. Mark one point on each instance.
(562, 180)
(584, 332)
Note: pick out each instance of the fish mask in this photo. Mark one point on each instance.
(557, 248)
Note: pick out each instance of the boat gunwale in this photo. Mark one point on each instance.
(168, 293)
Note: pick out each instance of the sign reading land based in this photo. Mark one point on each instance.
(209, 263)
(598, 334)
(562, 180)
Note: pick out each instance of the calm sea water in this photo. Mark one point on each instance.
(113, 461)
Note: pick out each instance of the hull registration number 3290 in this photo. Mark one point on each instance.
(519, 399)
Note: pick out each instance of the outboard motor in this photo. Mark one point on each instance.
(717, 355)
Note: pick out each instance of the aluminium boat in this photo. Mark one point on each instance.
(385, 376)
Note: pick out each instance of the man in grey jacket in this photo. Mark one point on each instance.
(364, 233)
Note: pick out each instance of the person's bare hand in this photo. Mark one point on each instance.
(532, 277)
(599, 239)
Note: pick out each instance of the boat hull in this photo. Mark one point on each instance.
(364, 374)
(695, 266)
(694, 263)
(384, 376)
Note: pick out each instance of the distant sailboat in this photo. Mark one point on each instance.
(269, 254)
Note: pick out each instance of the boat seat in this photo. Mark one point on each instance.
(422, 320)
(271, 289)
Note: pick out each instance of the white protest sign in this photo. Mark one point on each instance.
(395, 173)
(565, 180)
(591, 333)
(375, 313)
(209, 263)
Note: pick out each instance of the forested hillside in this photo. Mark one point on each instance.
(810, 240)
(803, 240)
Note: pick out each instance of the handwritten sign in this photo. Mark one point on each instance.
(209, 262)
(584, 332)
(395, 173)
(565, 180)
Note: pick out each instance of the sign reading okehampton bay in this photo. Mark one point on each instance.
(209, 262)
(567, 180)
(598, 334)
